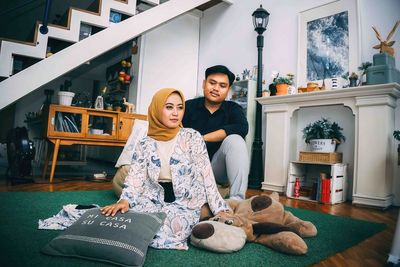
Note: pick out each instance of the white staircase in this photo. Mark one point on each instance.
(48, 69)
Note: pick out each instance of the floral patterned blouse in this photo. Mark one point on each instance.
(193, 184)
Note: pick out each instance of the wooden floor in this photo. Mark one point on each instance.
(371, 252)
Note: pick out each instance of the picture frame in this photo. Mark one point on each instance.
(328, 42)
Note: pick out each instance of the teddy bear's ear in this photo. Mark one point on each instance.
(233, 203)
(205, 212)
(218, 237)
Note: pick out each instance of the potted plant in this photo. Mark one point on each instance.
(282, 83)
(65, 95)
(353, 78)
(323, 135)
(363, 68)
(396, 135)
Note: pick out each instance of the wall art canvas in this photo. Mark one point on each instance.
(328, 42)
(328, 47)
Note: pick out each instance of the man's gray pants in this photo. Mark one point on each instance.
(230, 165)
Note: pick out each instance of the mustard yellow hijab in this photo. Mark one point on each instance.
(157, 130)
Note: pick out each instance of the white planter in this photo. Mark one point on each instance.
(323, 145)
(65, 98)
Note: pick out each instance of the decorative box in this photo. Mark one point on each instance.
(382, 74)
(383, 70)
(320, 157)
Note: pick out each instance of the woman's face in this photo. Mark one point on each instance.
(172, 113)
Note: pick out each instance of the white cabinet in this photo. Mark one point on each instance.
(244, 93)
(370, 110)
(311, 184)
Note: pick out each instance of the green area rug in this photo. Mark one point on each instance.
(21, 241)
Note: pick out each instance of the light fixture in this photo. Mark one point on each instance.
(260, 19)
(260, 22)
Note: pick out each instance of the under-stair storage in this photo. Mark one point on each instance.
(132, 24)
(321, 182)
(91, 124)
(84, 126)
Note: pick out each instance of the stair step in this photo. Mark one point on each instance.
(67, 28)
(86, 50)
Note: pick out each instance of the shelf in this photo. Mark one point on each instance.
(312, 163)
(70, 162)
(309, 175)
(303, 198)
(244, 82)
(244, 93)
(117, 125)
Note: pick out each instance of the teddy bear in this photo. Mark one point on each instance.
(263, 220)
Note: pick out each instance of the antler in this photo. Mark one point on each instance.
(393, 30)
(391, 43)
(377, 34)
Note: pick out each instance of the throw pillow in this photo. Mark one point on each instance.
(139, 130)
(122, 239)
(119, 179)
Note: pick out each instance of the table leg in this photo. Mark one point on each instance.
(54, 161)
(46, 161)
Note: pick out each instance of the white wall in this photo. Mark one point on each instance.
(383, 15)
(396, 171)
(169, 58)
(227, 35)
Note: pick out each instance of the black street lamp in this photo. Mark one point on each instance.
(260, 21)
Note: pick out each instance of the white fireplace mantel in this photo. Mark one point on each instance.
(374, 109)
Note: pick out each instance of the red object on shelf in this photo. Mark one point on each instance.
(326, 191)
(297, 187)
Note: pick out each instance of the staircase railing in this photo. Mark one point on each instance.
(43, 29)
(62, 62)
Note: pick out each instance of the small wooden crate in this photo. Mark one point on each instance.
(322, 157)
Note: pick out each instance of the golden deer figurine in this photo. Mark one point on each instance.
(386, 45)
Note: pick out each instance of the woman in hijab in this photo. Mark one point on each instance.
(170, 172)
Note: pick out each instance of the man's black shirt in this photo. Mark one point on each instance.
(229, 117)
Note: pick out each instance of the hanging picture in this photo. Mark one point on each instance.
(328, 42)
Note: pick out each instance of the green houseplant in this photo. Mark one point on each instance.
(282, 83)
(323, 129)
(396, 135)
(283, 79)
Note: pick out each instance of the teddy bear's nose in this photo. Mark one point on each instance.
(203, 231)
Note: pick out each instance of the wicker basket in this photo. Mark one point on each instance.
(322, 157)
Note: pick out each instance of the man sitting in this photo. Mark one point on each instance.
(224, 126)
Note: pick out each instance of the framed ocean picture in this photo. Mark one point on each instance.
(328, 44)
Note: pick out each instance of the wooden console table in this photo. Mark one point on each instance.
(68, 125)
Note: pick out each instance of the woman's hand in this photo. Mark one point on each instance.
(122, 205)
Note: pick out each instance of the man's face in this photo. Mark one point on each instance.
(216, 87)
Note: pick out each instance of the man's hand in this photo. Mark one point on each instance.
(216, 136)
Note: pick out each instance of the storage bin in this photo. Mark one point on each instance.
(320, 157)
(309, 176)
